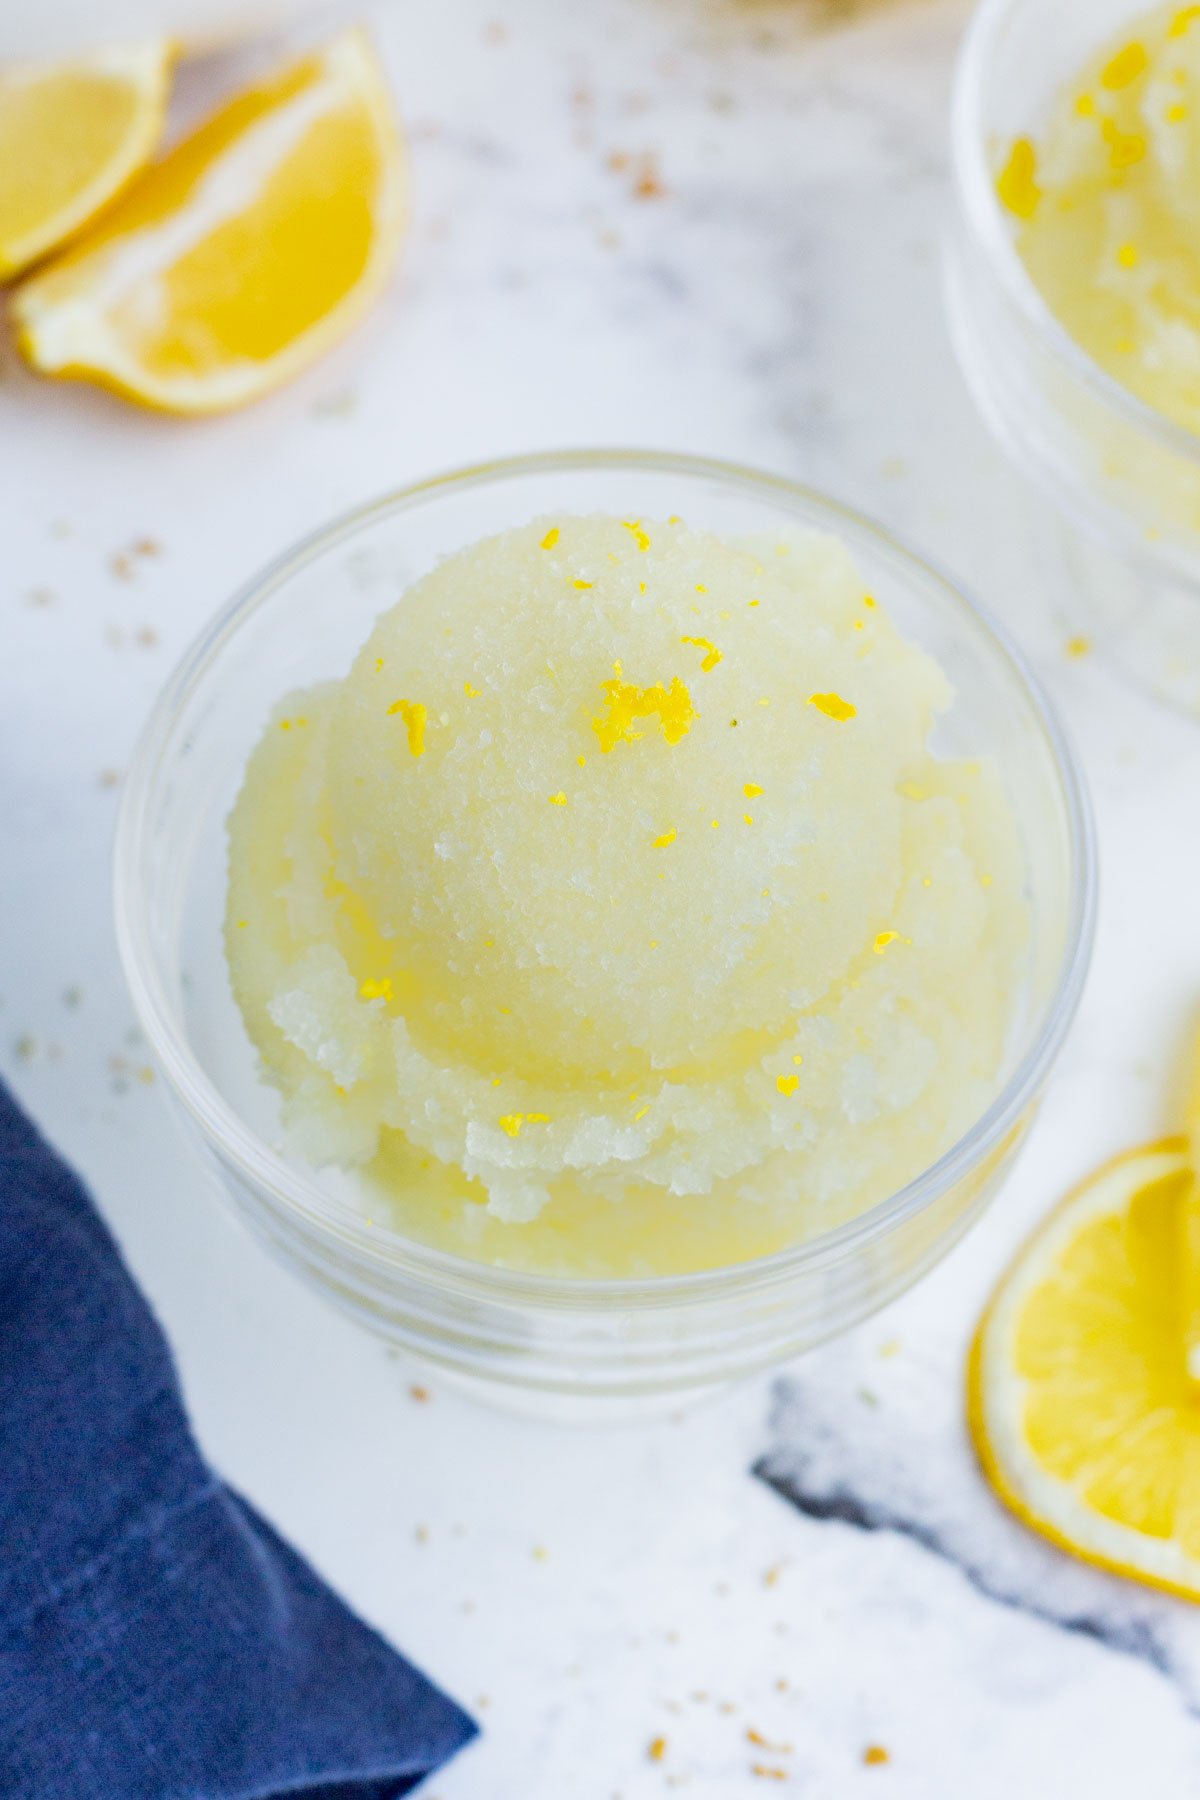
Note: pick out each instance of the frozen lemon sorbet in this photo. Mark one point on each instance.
(612, 915)
(1109, 208)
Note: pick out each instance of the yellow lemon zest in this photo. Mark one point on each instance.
(833, 706)
(1125, 67)
(626, 702)
(1017, 182)
(414, 716)
(713, 655)
(1125, 148)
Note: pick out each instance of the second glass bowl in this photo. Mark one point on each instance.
(562, 1342)
(1126, 478)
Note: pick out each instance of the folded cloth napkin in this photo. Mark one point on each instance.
(158, 1641)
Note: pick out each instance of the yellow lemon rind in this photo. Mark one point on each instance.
(1127, 1555)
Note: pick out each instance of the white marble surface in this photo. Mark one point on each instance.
(777, 301)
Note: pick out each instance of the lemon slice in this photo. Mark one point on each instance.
(1080, 1404)
(71, 135)
(243, 254)
(1189, 1261)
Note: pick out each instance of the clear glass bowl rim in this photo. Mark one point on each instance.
(984, 218)
(301, 1197)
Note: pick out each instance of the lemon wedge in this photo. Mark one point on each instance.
(243, 254)
(1080, 1403)
(72, 134)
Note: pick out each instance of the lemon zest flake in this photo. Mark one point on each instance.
(472, 693)
(885, 938)
(1125, 67)
(559, 799)
(667, 838)
(626, 702)
(577, 583)
(376, 990)
(1017, 183)
(712, 657)
(551, 538)
(634, 527)
(414, 716)
(1125, 148)
(1183, 21)
(787, 1084)
(833, 706)
(752, 790)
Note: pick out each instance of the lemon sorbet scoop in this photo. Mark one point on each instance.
(612, 915)
(1107, 205)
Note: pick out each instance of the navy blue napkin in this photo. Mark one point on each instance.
(158, 1641)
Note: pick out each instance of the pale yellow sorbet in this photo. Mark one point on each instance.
(1108, 200)
(612, 915)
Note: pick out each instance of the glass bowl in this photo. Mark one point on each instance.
(579, 1346)
(1125, 478)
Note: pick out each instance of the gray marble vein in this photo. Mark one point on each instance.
(884, 1449)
